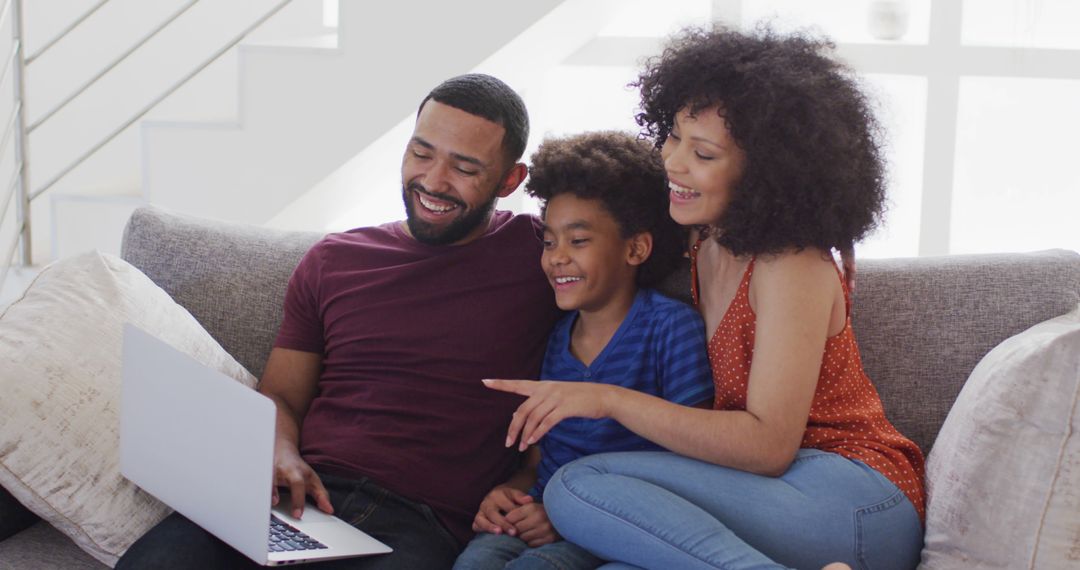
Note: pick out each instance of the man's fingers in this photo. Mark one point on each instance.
(319, 493)
(523, 498)
(274, 498)
(297, 490)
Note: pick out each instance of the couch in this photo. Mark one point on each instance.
(922, 324)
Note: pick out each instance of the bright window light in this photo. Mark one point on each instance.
(1022, 23)
(330, 13)
(1016, 187)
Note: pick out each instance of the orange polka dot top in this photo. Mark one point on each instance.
(846, 415)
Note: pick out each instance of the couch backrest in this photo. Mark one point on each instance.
(231, 277)
(922, 323)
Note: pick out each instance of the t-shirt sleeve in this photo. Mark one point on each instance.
(301, 324)
(683, 365)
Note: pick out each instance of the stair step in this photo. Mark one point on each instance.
(82, 223)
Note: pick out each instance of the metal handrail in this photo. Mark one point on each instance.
(7, 203)
(9, 130)
(82, 158)
(18, 82)
(65, 31)
(109, 67)
(4, 12)
(15, 45)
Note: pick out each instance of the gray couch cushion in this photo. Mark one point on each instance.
(924, 323)
(231, 277)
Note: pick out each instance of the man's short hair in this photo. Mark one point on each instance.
(489, 98)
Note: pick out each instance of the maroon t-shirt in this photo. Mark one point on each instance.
(407, 331)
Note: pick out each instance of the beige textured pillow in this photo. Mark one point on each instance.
(1004, 474)
(60, 384)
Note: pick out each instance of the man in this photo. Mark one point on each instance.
(382, 418)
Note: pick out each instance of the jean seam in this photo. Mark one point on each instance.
(573, 493)
(534, 553)
(433, 519)
(822, 455)
(890, 502)
(375, 503)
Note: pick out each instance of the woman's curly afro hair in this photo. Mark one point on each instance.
(624, 174)
(814, 174)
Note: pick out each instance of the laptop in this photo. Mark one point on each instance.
(203, 444)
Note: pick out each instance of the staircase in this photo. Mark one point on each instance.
(293, 103)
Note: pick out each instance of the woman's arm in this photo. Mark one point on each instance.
(793, 296)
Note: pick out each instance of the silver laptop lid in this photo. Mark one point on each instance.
(197, 440)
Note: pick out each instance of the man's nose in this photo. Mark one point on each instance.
(436, 178)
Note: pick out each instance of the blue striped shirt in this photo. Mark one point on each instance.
(659, 349)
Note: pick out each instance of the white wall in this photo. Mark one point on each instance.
(212, 96)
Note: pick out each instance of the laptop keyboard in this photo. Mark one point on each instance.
(286, 538)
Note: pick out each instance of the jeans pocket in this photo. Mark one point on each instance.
(429, 514)
(361, 504)
(888, 534)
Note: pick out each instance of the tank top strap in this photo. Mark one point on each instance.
(843, 285)
(702, 234)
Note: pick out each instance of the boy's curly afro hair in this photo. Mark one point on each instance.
(814, 175)
(623, 173)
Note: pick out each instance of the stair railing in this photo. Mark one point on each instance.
(17, 129)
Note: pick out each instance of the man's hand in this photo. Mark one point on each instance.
(532, 524)
(291, 471)
(496, 505)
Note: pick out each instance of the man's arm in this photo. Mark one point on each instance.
(290, 380)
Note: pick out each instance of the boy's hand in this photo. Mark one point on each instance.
(500, 501)
(533, 525)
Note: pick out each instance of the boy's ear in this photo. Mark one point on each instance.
(513, 179)
(640, 248)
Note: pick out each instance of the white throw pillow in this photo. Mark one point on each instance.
(1004, 473)
(60, 384)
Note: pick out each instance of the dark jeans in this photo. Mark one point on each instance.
(419, 540)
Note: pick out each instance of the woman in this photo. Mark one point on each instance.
(773, 159)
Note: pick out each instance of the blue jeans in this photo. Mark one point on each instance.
(662, 510)
(419, 540)
(497, 551)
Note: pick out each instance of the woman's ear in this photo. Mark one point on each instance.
(640, 248)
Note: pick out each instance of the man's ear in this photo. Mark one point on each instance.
(640, 248)
(513, 179)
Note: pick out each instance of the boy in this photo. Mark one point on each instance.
(607, 237)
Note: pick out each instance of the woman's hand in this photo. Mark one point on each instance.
(549, 403)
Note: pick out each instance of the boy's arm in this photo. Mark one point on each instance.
(491, 516)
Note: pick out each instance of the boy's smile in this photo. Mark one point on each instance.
(586, 258)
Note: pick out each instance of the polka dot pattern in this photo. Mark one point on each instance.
(846, 415)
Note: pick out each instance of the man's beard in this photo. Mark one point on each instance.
(456, 230)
